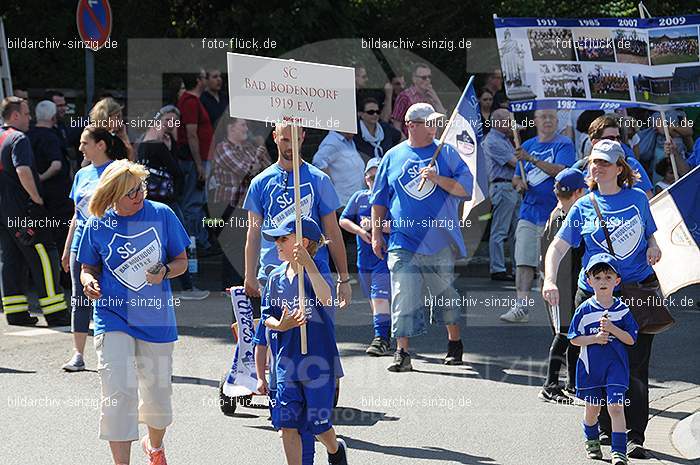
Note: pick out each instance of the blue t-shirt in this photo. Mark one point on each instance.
(271, 195)
(84, 185)
(539, 199)
(693, 157)
(630, 224)
(125, 247)
(601, 365)
(358, 207)
(322, 358)
(422, 221)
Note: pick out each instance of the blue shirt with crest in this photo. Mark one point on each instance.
(322, 358)
(358, 207)
(125, 247)
(422, 221)
(539, 199)
(271, 195)
(601, 365)
(630, 224)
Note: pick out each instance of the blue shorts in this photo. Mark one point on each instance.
(305, 405)
(375, 283)
(615, 394)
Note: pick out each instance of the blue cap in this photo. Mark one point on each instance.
(602, 258)
(569, 180)
(309, 229)
(372, 163)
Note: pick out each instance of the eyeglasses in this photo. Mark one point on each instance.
(614, 138)
(425, 78)
(134, 193)
(372, 112)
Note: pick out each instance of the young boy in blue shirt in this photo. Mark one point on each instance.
(373, 273)
(601, 326)
(305, 383)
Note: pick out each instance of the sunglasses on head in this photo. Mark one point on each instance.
(372, 112)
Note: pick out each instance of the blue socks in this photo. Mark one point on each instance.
(382, 325)
(592, 432)
(619, 442)
(307, 448)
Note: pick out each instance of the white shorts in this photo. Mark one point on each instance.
(136, 380)
(527, 243)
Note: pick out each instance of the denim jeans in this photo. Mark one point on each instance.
(192, 202)
(506, 203)
(410, 274)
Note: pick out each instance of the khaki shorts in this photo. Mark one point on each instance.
(527, 243)
(135, 376)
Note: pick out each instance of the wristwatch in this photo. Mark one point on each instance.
(343, 281)
(167, 270)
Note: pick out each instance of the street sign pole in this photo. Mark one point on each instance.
(89, 79)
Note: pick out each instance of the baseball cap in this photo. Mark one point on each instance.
(422, 112)
(309, 229)
(602, 258)
(569, 180)
(372, 163)
(608, 150)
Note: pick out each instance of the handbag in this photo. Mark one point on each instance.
(160, 185)
(644, 299)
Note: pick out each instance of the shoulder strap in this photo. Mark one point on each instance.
(602, 223)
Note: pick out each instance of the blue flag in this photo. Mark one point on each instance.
(676, 212)
(465, 135)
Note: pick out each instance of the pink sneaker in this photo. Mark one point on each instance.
(155, 457)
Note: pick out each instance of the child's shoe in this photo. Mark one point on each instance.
(593, 450)
(618, 458)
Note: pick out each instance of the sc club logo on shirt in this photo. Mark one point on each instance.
(85, 195)
(410, 178)
(626, 231)
(536, 176)
(130, 256)
(282, 202)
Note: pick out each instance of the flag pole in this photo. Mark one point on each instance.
(444, 134)
(516, 139)
(296, 166)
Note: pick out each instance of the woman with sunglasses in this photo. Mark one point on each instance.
(100, 148)
(374, 137)
(130, 249)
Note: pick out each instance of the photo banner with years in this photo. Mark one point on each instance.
(599, 64)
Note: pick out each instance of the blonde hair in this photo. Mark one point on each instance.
(102, 110)
(116, 181)
(628, 177)
(313, 246)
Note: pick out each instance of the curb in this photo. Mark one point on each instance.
(670, 410)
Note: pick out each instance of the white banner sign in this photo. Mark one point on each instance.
(310, 94)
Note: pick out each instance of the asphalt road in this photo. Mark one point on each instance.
(485, 412)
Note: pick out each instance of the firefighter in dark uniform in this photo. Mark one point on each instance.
(25, 238)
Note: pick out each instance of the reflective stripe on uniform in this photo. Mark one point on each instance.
(44, 301)
(55, 307)
(46, 269)
(14, 299)
(17, 308)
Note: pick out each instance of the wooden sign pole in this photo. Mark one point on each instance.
(668, 139)
(516, 139)
(296, 163)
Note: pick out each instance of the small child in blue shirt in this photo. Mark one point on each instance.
(305, 383)
(602, 326)
(372, 272)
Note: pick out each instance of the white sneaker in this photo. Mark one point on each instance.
(192, 294)
(76, 363)
(516, 314)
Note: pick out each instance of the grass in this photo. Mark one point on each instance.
(669, 59)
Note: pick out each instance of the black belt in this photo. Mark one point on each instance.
(501, 180)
